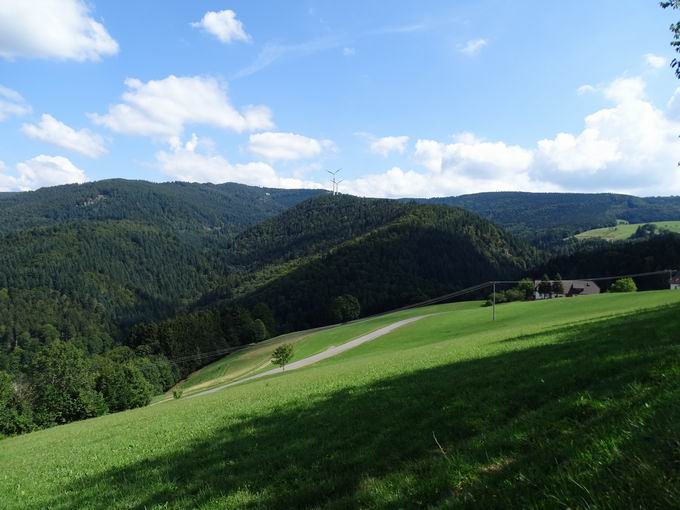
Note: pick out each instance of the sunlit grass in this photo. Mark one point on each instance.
(564, 403)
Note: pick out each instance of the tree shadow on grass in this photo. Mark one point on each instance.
(591, 420)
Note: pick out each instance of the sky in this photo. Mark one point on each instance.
(408, 99)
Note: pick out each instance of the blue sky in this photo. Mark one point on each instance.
(408, 98)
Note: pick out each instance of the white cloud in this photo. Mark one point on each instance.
(162, 108)
(12, 104)
(472, 157)
(223, 25)
(467, 165)
(629, 147)
(655, 61)
(472, 47)
(623, 90)
(39, 172)
(186, 164)
(59, 29)
(348, 51)
(50, 130)
(286, 146)
(387, 144)
(584, 152)
(586, 89)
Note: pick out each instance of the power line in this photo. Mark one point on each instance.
(432, 301)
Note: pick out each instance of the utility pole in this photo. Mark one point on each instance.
(494, 301)
(334, 181)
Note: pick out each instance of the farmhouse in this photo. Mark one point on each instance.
(571, 288)
(675, 282)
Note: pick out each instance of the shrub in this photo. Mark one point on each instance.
(63, 385)
(623, 285)
(177, 394)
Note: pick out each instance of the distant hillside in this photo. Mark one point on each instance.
(547, 218)
(385, 253)
(131, 249)
(311, 227)
(176, 205)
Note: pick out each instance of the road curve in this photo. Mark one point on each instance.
(328, 353)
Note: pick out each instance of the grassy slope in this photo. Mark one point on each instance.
(623, 231)
(256, 358)
(527, 413)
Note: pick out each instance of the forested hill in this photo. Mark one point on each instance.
(312, 227)
(176, 205)
(383, 252)
(80, 264)
(132, 250)
(547, 218)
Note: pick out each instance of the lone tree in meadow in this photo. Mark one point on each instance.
(282, 355)
(557, 285)
(623, 285)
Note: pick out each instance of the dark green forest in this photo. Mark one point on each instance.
(547, 219)
(112, 291)
(423, 252)
(80, 265)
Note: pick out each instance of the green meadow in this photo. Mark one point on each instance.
(566, 403)
(624, 231)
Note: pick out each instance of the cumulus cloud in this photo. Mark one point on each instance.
(12, 104)
(624, 90)
(185, 163)
(223, 25)
(655, 61)
(466, 165)
(387, 144)
(162, 108)
(56, 29)
(472, 47)
(51, 130)
(286, 146)
(40, 171)
(629, 147)
(473, 157)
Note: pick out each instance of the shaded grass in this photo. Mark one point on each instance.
(579, 416)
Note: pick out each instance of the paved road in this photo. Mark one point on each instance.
(328, 353)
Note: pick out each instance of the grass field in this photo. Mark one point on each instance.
(256, 358)
(559, 403)
(624, 231)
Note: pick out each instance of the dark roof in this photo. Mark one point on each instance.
(580, 287)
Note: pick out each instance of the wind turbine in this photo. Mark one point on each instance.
(334, 181)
